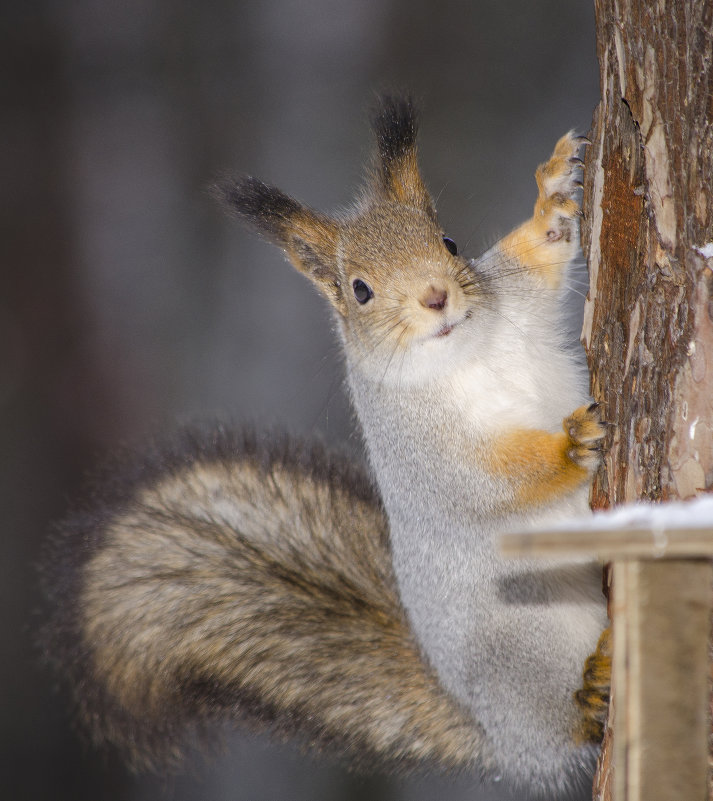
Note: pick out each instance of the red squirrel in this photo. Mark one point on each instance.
(230, 576)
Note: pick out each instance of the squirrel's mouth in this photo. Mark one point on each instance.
(447, 327)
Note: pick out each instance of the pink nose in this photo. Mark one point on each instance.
(434, 298)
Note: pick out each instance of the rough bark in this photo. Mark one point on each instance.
(648, 232)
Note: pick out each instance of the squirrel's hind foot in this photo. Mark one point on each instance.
(593, 697)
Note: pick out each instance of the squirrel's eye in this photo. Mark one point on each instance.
(451, 246)
(362, 291)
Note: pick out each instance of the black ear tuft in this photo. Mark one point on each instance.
(395, 175)
(395, 123)
(309, 239)
(264, 207)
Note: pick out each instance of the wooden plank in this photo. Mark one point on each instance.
(608, 544)
(661, 613)
(661, 618)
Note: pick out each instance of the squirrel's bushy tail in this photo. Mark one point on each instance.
(223, 578)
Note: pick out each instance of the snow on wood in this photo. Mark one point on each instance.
(639, 530)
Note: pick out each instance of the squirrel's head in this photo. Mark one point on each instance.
(394, 278)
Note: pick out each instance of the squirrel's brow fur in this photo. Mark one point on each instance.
(284, 598)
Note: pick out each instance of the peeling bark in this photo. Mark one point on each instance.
(648, 232)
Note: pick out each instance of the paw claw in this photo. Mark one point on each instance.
(559, 183)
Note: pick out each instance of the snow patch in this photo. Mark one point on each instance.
(692, 428)
(706, 250)
(696, 513)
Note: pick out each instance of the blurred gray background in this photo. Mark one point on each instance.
(130, 302)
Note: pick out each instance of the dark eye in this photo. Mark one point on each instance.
(450, 246)
(362, 291)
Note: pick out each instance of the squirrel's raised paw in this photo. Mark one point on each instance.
(549, 240)
(559, 179)
(558, 183)
(585, 431)
(593, 697)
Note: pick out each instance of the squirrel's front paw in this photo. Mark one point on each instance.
(558, 182)
(593, 697)
(585, 431)
(549, 240)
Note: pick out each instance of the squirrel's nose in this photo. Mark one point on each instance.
(435, 298)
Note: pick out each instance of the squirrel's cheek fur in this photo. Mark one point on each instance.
(224, 576)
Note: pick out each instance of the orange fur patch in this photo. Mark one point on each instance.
(530, 245)
(538, 465)
(546, 242)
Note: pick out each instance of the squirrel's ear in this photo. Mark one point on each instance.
(308, 238)
(397, 176)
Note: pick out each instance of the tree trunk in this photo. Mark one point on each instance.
(648, 233)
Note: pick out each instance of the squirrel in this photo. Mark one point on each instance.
(231, 576)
